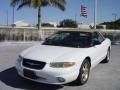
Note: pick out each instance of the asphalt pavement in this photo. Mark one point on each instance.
(102, 77)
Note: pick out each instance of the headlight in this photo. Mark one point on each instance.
(62, 64)
(19, 60)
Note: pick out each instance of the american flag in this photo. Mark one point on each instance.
(83, 11)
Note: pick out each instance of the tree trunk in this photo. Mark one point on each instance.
(39, 24)
(39, 18)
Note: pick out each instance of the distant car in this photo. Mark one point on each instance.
(64, 57)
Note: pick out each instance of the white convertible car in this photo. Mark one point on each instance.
(64, 57)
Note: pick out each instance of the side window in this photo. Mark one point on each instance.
(98, 36)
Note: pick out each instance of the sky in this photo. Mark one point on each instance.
(105, 10)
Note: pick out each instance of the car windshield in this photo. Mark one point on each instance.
(69, 39)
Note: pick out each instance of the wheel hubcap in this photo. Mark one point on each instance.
(85, 72)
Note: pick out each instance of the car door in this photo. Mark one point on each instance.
(98, 49)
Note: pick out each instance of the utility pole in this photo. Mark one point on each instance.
(95, 13)
(115, 18)
(13, 16)
(75, 17)
(7, 17)
(114, 35)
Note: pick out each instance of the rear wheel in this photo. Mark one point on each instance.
(84, 72)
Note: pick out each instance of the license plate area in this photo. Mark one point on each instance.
(30, 74)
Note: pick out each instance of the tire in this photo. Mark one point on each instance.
(84, 72)
(107, 58)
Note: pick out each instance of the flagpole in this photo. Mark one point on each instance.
(95, 13)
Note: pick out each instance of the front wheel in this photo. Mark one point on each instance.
(84, 72)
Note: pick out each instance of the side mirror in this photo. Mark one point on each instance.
(96, 42)
(46, 39)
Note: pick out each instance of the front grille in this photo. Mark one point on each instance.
(29, 74)
(33, 64)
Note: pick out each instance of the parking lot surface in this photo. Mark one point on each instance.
(102, 77)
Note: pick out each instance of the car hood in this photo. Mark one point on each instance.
(49, 53)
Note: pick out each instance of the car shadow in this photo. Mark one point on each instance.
(72, 84)
(12, 79)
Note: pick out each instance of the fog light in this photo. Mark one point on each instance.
(60, 79)
(18, 70)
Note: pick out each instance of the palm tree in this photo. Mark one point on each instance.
(37, 4)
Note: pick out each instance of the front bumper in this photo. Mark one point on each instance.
(50, 75)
